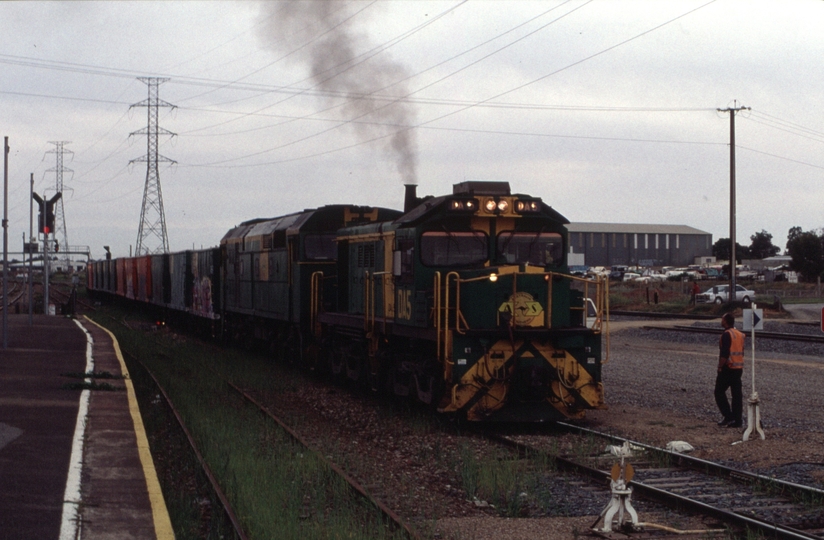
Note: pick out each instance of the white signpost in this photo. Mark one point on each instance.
(753, 320)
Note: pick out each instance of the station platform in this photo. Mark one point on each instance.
(74, 460)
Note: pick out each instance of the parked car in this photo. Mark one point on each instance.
(578, 270)
(714, 273)
(721, 293)
(655, 276)
(616, 275)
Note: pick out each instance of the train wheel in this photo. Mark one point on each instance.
(336, 364)
(399, 382)
(354, 364)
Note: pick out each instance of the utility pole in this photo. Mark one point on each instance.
(152, 216)
(5, 242)
(59, 211)
(732, 110)
(31, 249)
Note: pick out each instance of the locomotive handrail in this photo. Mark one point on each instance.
(366, 291)
(458, 314)
(369, 309)
(447, 342)
(601, 325)
(372, 298)
(442, 304)
(315, 301)
(442, 326)
(437, 315)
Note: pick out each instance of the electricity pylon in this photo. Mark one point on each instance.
(59, 212)
(152, 216)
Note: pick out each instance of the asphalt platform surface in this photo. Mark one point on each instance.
(63, 475)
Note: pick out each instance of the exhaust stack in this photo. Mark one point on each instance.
(410, 200)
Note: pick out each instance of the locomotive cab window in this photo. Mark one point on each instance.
(320, 247)
(462, 248)
(536, 248)
(405, 261)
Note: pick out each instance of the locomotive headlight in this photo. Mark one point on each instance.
(493, 277)
(463, 205)
(490, 205)
(503, 206)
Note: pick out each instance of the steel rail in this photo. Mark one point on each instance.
(662, 315)
(55, 288)
(718, 470)
(761, 334)
(677, 501)
(672, 499)
(385, 510)
(227, 506)
(704, 465)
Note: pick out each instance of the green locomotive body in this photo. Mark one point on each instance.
(465, 302)
(268, 266)
(462, 301)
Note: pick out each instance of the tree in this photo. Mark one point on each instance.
(807, 252)
(721, 250)
(762, 246)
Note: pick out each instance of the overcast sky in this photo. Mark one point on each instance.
(605, 109)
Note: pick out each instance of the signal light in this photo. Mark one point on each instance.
(45, 220)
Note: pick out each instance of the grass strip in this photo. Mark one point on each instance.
(277, 488)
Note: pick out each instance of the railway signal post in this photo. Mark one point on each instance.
(45, 226)
(753, 320)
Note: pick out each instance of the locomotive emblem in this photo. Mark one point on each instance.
(524, 309)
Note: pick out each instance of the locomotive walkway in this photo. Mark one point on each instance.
(74, 460)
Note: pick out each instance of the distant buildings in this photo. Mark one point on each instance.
(608, 244)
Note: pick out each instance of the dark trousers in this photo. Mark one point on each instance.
(729, 378)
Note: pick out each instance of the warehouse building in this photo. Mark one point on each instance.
(608, 244)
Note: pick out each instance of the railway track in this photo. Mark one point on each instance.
(655, 477)
(394, 521)
(743, 501)
(761, 334)
(224, 500)
(391, 517)
(56, 289)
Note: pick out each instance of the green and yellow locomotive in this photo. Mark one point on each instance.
(465, 302)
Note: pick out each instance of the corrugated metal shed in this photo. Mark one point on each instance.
(607, 244)
(632, 228)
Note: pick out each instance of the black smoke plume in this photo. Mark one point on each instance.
(327, 35)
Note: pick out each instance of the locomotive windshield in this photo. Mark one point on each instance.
(463, 248)
(320, 247)
(536, 248)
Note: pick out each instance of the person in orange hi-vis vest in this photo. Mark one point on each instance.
(730, 368)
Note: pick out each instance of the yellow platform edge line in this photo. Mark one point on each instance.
(160, 514)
